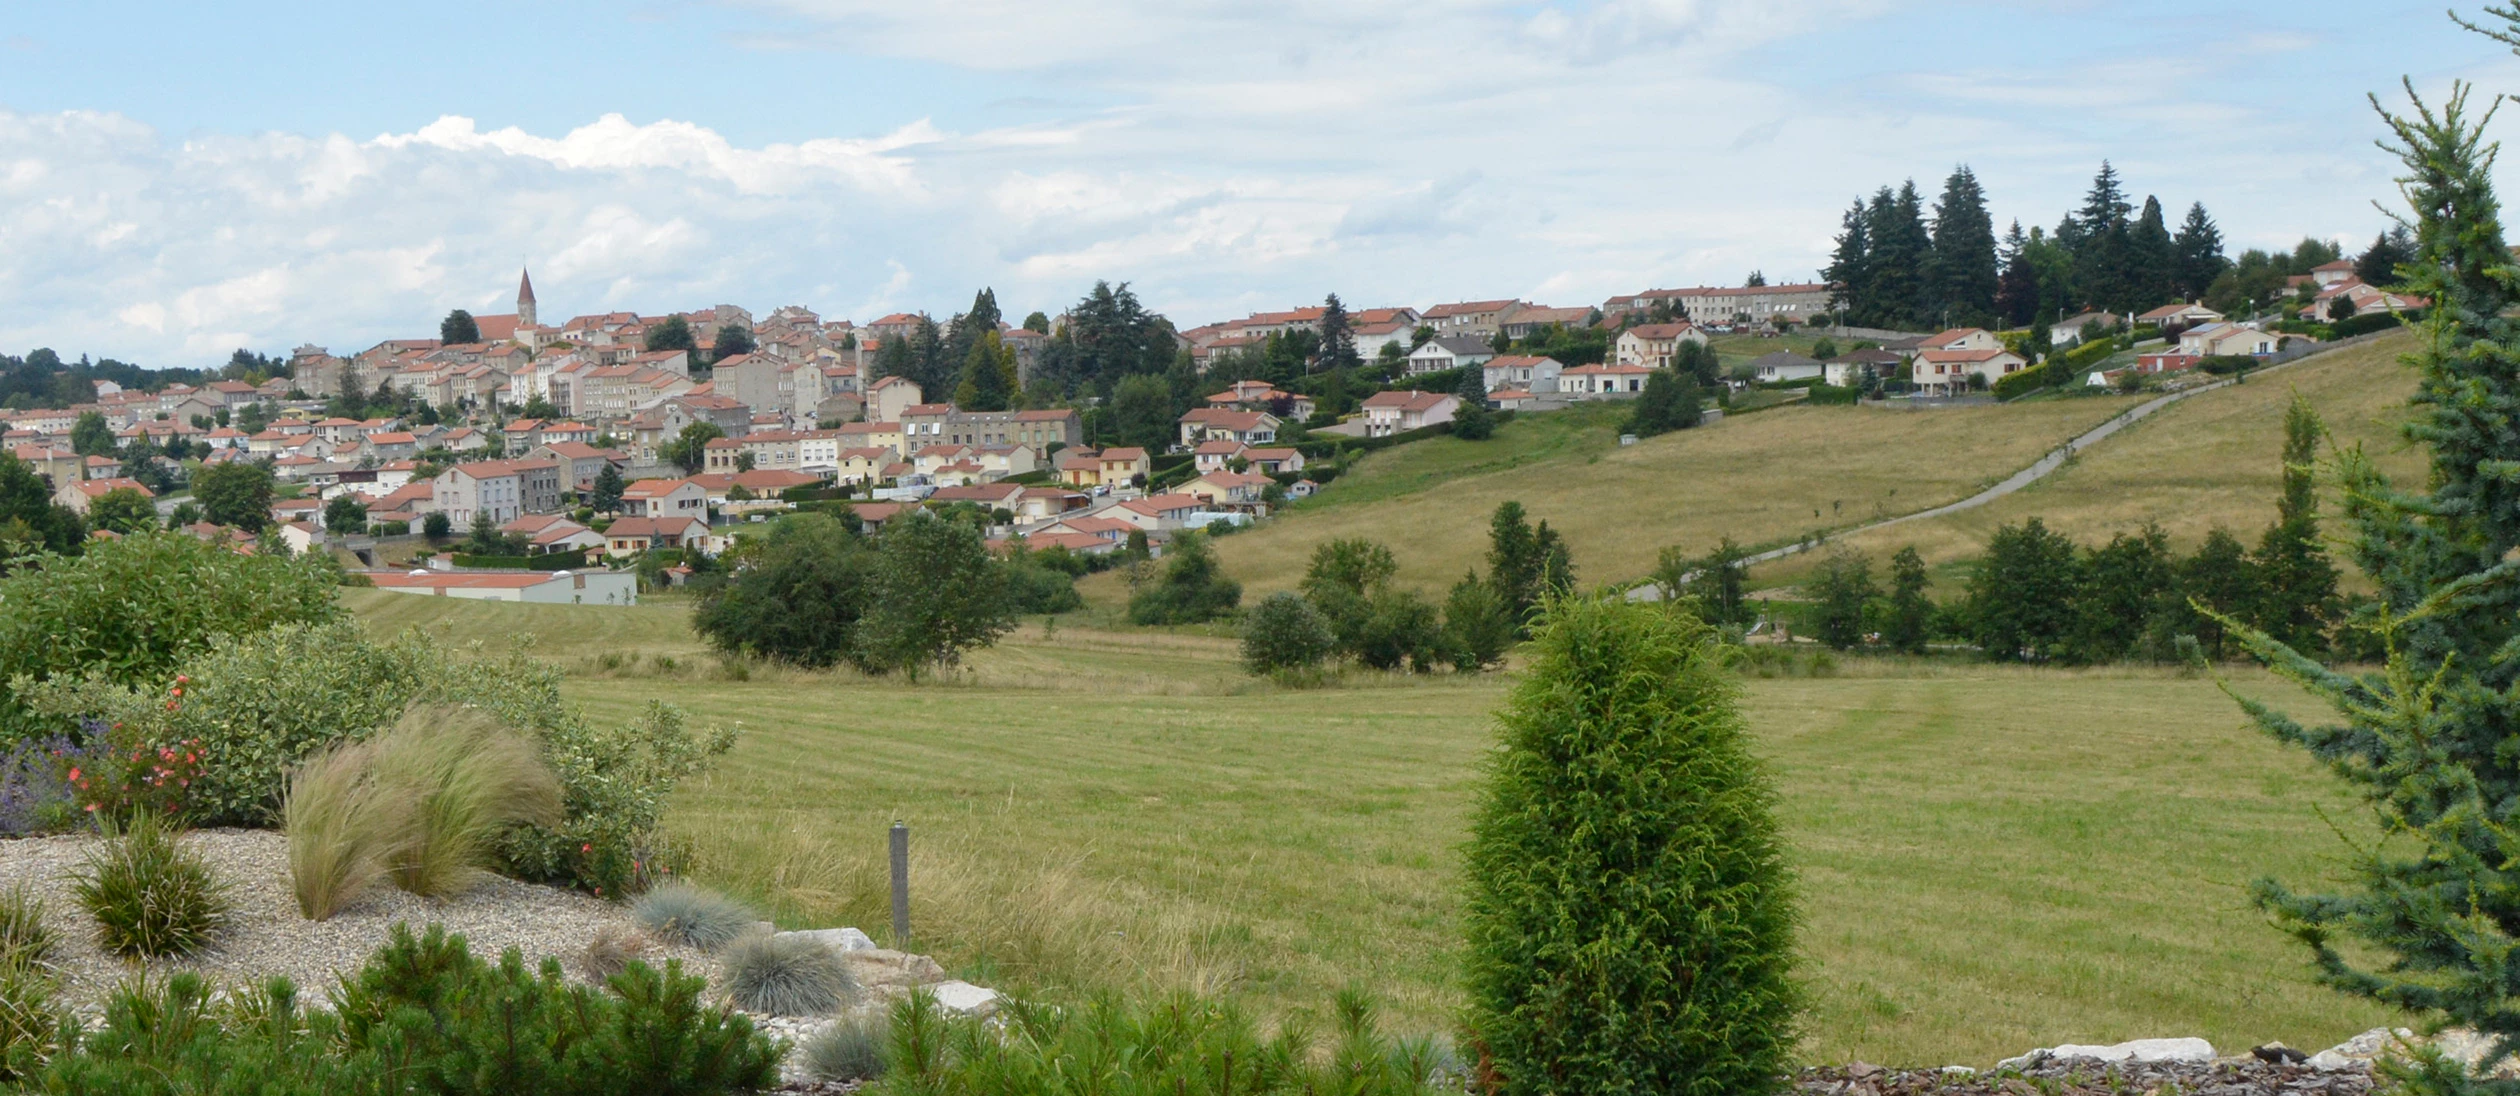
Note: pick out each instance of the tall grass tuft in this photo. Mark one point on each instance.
(784, 976)
(31, 1024)
(150, 895)
(679, 913)
(341, 831)
(848, 1049)
(22, 932)
(466, 777)
(612, 950)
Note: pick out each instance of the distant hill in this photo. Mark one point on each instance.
(1772, 476)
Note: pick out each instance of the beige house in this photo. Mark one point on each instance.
(1653, 344)
(1403, 411)
(886, 399)
(1118, 466)
(1947, 372)
(665, 498)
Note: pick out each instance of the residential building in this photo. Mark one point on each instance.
(1947, 372)
(1653, 344)
(589, 587)
(1785, 365)
(78, 493)
(1227, 490)
(665, 498)
(1602, 382)
(1476, 319)
(1449, 352)
(1118, 466)
(1523, 371)
(886, 399)
(1402, 411)
(1707, 305)
(1247, 427)
(2172, 318)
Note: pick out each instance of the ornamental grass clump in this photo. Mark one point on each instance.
(848, 1049)
(151, 895)
(784, 975)
(1629, 913)
(340, 830)
(22, 932)
(467, 779)
(679, 913)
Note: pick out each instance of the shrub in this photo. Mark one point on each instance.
(1283, 632)
(612, 951)
(784, 975)
(1630, 926)
(31, 1024)
(150, 895)
(423, 1015)
(1190, 588)
(23, 936)
(679, 913)
(127, 611)
(848, 1049)
(259, 704)
(467, 779)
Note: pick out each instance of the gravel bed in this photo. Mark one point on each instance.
(265, 936)
(2242, 1076)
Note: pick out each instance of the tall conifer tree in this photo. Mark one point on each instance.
(1964, 267)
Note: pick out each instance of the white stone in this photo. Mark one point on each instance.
(2133, 1050)
(964, 998)
(842, 940)
(2360, 1049)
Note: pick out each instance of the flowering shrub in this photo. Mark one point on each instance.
(35, 791)
(246, 711)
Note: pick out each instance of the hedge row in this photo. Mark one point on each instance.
(552, 561)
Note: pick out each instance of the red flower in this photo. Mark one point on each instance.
(74, 773)
(588, 847)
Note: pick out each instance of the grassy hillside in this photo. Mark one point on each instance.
(2212, 460)
(1991, 858)
(1768, 477)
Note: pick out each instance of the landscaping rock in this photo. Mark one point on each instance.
(2240, 1076)
(2133, 1050)
(840, 940)
(2361, 1049)
(884, 968)
(964, 998)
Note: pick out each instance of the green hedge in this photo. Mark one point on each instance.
(1834, 396)
(2368, 322)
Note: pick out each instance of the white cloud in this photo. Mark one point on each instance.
(1222, 154)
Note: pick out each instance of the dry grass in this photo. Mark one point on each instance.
(418, 804)
(2207, 461)
(340, 831)
(1769, 477)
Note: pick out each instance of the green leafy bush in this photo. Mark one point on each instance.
(785, 975)
(260, 704)
(128, 611)
(1283, 632)
(1189, 588)
(150, 895)
(679, 913)
(1629, 913)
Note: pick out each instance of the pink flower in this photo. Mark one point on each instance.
(74, 772)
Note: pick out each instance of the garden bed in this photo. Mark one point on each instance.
(265, 936)
(2243, 1076)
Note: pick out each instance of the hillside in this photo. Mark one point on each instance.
(1777, 475)
(1763, 478)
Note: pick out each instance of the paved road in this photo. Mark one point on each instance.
(2039, 470)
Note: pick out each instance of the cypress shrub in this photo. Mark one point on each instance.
(1630, 915)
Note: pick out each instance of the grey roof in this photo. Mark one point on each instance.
(1866, 357)
(1463, 345)
(1783, 358)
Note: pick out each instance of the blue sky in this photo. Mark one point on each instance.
(179, 179)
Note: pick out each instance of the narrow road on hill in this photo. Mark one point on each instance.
(2037, 471)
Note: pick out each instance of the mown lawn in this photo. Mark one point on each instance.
(1992, 859)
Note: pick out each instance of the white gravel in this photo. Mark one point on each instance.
(265, 936)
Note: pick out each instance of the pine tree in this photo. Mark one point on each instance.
(1908, 616)
(2152, 258)
(965, 331)
(1338, 337)
(1630, 919)
(2217, 583)
(2199, 246)
(1964, 269)
(1849, 272)
(2017, 289)
(2428, 740)
(988, 375)
(1515, 562)
(2298, 583)
(2100, 245)
(2021, 600)
(2378, 264)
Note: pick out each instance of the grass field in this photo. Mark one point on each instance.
(1992, 859)
(2207, 461)
(1765, 478)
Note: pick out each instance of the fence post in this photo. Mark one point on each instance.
(901, 885)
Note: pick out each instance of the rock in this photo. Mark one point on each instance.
(1862, 1071)
(970, 1000)
(2361, 1049)
(840, 940)
(2133, 1050)
(880, 968)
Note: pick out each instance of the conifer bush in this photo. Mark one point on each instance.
(1629, 913)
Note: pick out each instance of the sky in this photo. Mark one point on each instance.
(179, 179)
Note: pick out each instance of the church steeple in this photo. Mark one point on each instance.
(525, 301)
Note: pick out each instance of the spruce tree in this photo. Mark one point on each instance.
(1964, 269)
(1338, 337)
(1514, 562)
(1630, 917)
(2427, 740)
(2017, 288)
(1901, 247)
(1473, 420)
(1909, 615)
(2199, 246)
(1845, 592)
(2152, 258)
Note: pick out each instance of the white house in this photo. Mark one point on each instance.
(596, 587)
(1402, 411)
(1653, 344)
(1785, 365)
(1523, 371)
(1449, 352)
(1604, 382)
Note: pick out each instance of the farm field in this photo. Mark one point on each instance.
(1991, 858)
(1769, 477)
